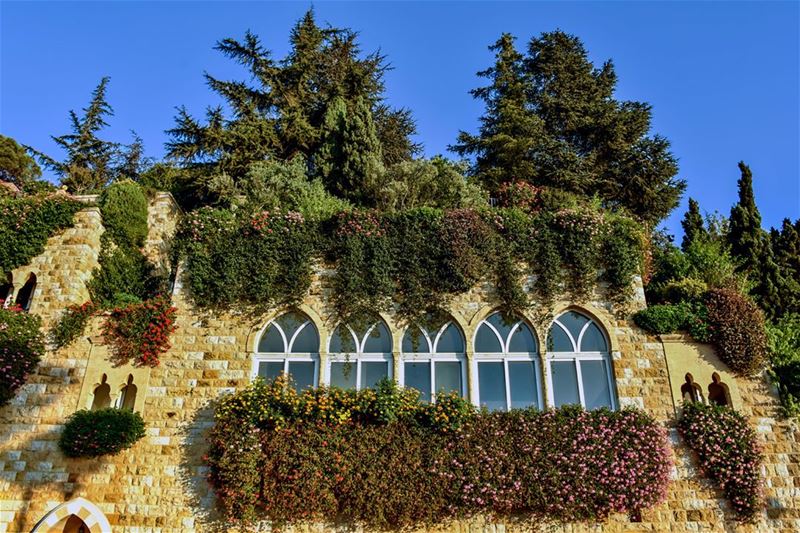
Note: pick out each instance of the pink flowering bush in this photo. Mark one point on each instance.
(728, 453)
(522, 195)
(21, 348)
(386, 460)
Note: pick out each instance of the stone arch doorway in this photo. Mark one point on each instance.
(75, 516)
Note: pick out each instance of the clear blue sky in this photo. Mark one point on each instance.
(722, 76)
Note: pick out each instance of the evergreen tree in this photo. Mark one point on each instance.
(551, 119)
(89, 163)
(775, 293)
(693, 227)
(745, 236)
(786, 245)
(133, 162)
(349, 160)
(16, 165)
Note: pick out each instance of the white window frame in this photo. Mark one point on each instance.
(286, 356)
(432, 356)
(505, 357)
(577, 357)
(359, 356)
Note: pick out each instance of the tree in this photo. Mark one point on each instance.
(693, 227)
(16, 165)
(745, 236)
(551, 119)
(89, 163)
(133, 162)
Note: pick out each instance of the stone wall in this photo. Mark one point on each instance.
(159, 484)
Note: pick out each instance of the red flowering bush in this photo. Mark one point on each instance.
(738, 330)
(385, 460)
(21, 348)
(728, 453)
(140, 332)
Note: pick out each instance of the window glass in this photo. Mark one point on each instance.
(558, 340)
(302, 373)
(269, 370)
(522, 379)
(307, 341)
(418, 376)
(343, 375)
(522, 340)
(565, 383)
(502, 327)
(492, 385)
(289, 322)
(448, 376)
(486, 340)
(372, 372)
(342, 340)
(574, 322)
(271, 341)
(378, 340)
(450, 341)
(595, 384)
(593, 340)
(414, 341)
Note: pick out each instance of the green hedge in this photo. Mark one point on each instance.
(102, 432)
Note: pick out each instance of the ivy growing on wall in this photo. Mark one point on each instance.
(21, 348)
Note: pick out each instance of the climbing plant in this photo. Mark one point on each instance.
(21, 348)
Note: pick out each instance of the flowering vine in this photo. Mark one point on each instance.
(21, 349)
(140, 332)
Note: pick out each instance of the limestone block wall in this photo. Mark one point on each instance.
(160, 484)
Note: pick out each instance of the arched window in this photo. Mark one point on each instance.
(506, 355)
(433, 359)
(360, 355)
(6, 286)
(25, 294)
(578, 362)
(289, 344)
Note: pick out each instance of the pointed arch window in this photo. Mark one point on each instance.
(289, 344)
(579, 363)
(360, 354)
(25, 294)
(434, 358)
(506, 364)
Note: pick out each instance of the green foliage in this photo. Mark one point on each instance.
(746, 236)
(621, 252)
(124, 209)
(26, 223)
(21, 349)
(551, 120)
(728, 452)
(17, 166)
(102, 432)
(660, 319)
(693, 226)
(72, 324)
(124, 275)
(139, 332)
(784, 347)
(738, 330)
(383, 459)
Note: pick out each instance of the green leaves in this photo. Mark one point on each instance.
(102, 432)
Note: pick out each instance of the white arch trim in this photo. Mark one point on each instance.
(91, 515)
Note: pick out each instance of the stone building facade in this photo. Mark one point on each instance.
(159, 485)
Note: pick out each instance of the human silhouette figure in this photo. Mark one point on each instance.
(718, 393)
(102, 395)
(691, 391)
(127, 397)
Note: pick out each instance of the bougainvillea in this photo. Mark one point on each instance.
(728, 453)
(140, 332)
(21, 348)
(737, 330)
(102, 432)
(384, 459)
(72, 323)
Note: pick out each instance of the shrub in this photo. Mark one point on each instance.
(728, 453)
(784, 347)
(383, 459)
(738, 330)
(124, 208)
(102, 432)
(621, 252)
(27, 222)
(72, 323)
(21, 349)
(665, 318)
(685, 290)
(140, 332)
(124, 275)
(521, 195)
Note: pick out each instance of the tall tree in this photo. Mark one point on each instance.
(693, 226)
(567, 131)
(89, 162)
(16, 165)
(745, 236)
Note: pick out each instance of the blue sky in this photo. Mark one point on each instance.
(722, 77)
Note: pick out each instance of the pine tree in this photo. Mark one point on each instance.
(16, 165)
(89, 163)
(745, 236)
(693, 227)
(775, 293)
(349, 160)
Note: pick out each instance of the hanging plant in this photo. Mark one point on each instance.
(140, 332)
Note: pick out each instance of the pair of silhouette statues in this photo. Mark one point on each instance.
(102, 395)
(718, 393)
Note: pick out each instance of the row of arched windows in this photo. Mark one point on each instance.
(505, 369)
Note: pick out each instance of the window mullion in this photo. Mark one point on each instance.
(508, 384)
(579, 377)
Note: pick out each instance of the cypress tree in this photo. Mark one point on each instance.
(745, 236)
(693, 226)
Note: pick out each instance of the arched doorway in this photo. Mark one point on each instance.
(75, 516)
